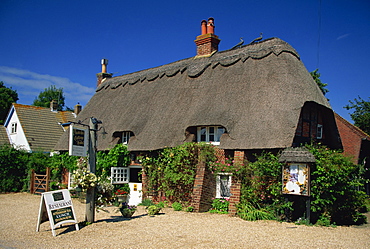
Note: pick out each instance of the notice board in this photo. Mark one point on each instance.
(56, 206)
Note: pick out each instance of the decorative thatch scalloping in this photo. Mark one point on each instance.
(196, 69)
(229, 62)
(152, 77)
(173, 72)
(133, 81)
(115, 85)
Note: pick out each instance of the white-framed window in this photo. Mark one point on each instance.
(211, 134)
(14, 128)
(223, 185)
(319, 131)
(126, 136)
(120, 175)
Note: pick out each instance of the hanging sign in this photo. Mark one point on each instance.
(296, 179)
(56, 206)
(78, 141)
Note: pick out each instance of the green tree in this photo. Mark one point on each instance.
(361, 114)
(7, 97)
(316, 76)
(49, 94)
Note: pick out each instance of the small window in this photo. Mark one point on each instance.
(14, 128)
(223, 185)
(120, 175)
(126, 136)
(211, 134)
(319, 131)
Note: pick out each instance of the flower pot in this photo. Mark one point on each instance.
(127, 213)
(121, 198)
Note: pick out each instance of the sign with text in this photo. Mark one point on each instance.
(56, 206)
(78, 141)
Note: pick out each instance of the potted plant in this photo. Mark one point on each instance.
(127, 210)
(121, 193)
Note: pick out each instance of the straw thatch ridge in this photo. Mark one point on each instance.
(256, 92)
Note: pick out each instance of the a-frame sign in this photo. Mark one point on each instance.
(56, 206)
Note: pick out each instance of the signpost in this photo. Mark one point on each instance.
(78, 141)
(56, 206)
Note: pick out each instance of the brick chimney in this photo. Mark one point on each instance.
(103, 75)
(207, 42)
(54, 105)
(77, 108)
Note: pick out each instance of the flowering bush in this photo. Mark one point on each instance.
(84, 179)
(120, 192)
(220, 206)
(104, 193)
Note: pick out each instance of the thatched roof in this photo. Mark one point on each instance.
(256, 92)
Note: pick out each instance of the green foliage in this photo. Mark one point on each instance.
(49, 94)
(361, 114)
(250, 212)
(8, 96)
(13, 169)
(334, 183)
(153, 209)
(177, 206)
(173, 170)
(146, 202)
(118, 156)
(220, 206)
(189, 209)
(316, 76)
(262, 185)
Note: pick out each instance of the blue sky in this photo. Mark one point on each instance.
(61, 42)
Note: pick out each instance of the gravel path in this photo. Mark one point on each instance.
(170, 229)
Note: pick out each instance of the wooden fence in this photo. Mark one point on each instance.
(40, 183)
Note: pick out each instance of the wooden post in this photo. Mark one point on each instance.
(32, 183)
(91, 192)
(308, 209)
(47, 186)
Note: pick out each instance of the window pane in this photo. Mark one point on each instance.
(220, 131)
(203, 137)
(225, 186)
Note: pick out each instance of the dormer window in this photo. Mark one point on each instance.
(210, 134)
(126, 136)
(14, 128)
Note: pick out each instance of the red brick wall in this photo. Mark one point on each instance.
(351, 138)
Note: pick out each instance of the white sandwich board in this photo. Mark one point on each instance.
(56, 206)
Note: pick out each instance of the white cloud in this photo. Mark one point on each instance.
(29, 84)
(343, 36)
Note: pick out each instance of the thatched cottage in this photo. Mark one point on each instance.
(247, 99)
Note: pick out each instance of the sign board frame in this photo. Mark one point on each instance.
(78, 140)
(56, 206)
(296, 179)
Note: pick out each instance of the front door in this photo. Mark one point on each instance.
(135, 184)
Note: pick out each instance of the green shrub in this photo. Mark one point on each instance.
(247, 211)
(153, 209)
(189, 209)
(177, 206)
(146, 202)
(220, 206)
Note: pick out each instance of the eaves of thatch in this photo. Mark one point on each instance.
(256, 92)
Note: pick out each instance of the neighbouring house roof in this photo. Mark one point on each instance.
(3, 136)
(40, 125)
(256, 92)
(355, 141)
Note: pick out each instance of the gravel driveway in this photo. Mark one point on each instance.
(170, 229)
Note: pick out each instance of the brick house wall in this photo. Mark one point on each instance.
(351, 137)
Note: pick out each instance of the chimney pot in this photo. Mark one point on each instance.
(103, 75)
(53, 105)
(211, 26)
(203, 27)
